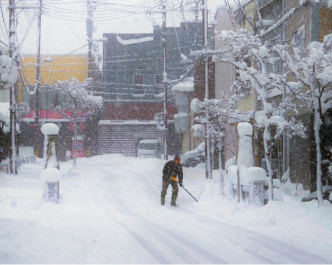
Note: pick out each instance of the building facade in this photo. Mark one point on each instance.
(133, 75)
(296, 23)
(54, 68)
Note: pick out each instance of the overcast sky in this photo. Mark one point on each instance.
(61, 36)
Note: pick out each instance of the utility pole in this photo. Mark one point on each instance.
(196, 12)
(206, 75)
(12, 100)
(165, 81)
(37, 103)
(89, 33)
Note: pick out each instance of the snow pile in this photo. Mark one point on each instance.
(50, 174)
(199, 130)
(50, 129)
(185, 60)
(4, 117)
(232, 174)
(186, 85)
(196, 105)
(256, 174)
(133, 41)
(8, 71)
(230, 162)
(181, 115)
(245, 155)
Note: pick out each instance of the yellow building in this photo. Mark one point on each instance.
(53, 68)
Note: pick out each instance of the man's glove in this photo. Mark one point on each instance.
(181, 184)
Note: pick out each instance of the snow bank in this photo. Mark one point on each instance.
(50, 174)
(110, 206)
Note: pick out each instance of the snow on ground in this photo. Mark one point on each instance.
(109, 212)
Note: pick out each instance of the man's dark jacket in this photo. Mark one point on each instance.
(170, 169)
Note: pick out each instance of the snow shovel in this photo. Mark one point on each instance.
(176, 180)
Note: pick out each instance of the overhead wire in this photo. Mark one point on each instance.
(6, 33)
(78, 15)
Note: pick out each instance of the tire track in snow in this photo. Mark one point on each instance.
(294, 254)
(184, 250)
(144, 243)
(114, 209)
(268, 246)
(182, 241)
(271, 246)
(158, 231)
(161, 232)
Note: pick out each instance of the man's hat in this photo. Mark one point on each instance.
(177, 156)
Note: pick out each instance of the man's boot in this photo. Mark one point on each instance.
(162, 201)
(173, 200)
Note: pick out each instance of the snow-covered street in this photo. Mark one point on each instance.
(109, 212)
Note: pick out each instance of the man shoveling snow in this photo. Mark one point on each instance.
(172, 169)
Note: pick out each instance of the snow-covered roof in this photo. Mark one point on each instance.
(133, 41)
(48, 120)
(181, 115)
(125, 122)
(186, 85)
(149, 141)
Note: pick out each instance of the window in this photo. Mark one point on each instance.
(138, 84)
(159, 79)
(159, 84)
(298, 39)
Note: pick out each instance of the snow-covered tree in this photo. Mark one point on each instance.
(221, 114)
(78, 103)
(252, 57)
(312, 67)
(8, 70)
